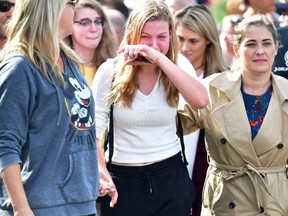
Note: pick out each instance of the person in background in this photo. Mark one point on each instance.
(265, 7)
(280, 66)
(118, 5)
(282, 10)
(248, 167)
(6, 10)
(176, 5)
(48, 156)
(197, 34)
(93, 37)
(226, 37)
(235, 7)
(146, 161)
(118, 21)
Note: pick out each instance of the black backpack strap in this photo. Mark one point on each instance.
(180, 135)
(110, 137)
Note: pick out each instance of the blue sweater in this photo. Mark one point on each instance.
(51, 133)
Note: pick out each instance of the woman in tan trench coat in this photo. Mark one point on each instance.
(246, 125)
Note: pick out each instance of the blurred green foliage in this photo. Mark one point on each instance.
(219, 10)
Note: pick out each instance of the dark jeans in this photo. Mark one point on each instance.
(160, 189)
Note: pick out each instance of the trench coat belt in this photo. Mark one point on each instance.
(254, 173)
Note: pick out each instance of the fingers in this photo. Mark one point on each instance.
(106, 187)
(114, 197)
(131, 52)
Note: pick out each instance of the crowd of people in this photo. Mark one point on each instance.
(143, 107)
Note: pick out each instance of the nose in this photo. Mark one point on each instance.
(184, 46)
(154, 43)
(93, 27)
(260, 50)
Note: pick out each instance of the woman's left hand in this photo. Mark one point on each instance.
(107, 186)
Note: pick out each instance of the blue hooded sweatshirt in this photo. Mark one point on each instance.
(50, 132)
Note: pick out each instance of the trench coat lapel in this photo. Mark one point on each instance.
(264, 141)
(231, 117)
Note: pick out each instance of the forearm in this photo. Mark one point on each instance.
(101, 160)
(12, 180)
(106, 183)
(190, 88)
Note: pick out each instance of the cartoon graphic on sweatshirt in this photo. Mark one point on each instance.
(79, 109)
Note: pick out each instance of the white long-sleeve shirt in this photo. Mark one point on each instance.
(144, 132)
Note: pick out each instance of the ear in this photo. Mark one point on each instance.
(236, 50)
(276, 47)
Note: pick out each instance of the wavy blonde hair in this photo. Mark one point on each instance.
(33, 31)
(200, 20)
(125, 84)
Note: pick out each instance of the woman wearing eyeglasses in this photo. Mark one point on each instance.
(93, 37)
(6, 9)
(48, 157)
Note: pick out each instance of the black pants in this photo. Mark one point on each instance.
(159, 189)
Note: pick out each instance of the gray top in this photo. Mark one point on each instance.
(51, 133)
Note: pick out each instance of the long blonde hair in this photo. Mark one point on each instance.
(125, 84)
(33, 31)
(200, 20)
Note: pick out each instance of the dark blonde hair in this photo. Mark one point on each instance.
(254, 20)
(200, 20)
(125, 84)
(108, 45)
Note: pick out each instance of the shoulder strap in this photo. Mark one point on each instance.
(180, 135)
(110, 136)
(109, 140)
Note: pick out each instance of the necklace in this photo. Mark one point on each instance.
(199, 67)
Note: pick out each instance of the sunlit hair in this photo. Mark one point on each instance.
(254, 20)
(33, 31)
(200, 20)
(108, 44)
(125, 84)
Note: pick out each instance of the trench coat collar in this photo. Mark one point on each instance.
(231, 83)
(231, 117)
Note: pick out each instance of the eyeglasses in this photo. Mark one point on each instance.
(5, 6)
(72, 3)
(87, 23)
